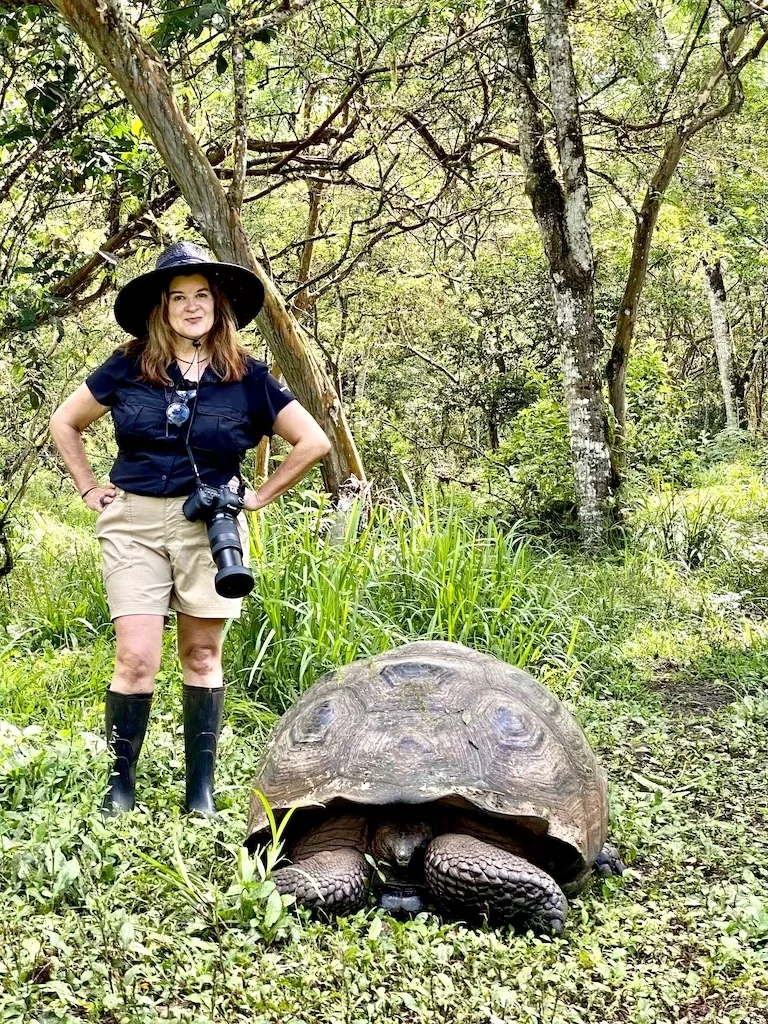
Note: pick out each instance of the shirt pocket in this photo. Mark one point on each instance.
(220, 432)
(140, 422)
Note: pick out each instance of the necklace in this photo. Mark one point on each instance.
(195, 359)
(186, 365)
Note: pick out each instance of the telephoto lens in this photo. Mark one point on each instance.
(233, 578)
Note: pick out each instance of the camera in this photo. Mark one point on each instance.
(218, 508)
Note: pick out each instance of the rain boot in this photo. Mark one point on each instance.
(126, 715)
(203, 711)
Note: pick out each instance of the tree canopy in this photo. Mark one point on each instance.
(372, 157)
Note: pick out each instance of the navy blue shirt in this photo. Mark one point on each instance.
(227, 419)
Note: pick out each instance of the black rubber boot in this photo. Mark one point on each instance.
(203, 711)
(126, 716)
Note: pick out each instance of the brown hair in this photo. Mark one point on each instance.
(155, 351)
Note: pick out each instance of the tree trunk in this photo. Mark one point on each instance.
(701, 113)
(721, 330)
(562, 214)
(139, 71)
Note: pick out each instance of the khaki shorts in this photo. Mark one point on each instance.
(153, 559)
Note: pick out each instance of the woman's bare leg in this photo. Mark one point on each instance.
(200, 643)
(138, 652)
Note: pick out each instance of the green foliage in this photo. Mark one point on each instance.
(64, 603)
(416, 572)
(661, 438)
(157, 916)
(178, 22)
(692, 534)
(534, 472)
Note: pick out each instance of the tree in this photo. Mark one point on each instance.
(721, 331)
(708, 106)
(562, 213)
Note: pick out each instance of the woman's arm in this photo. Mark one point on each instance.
(67, 425)
(310, 443)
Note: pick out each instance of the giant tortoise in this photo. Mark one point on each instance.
(463, 780)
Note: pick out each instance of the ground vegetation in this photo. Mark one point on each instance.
(372, 161)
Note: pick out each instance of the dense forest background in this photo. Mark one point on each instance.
(375, 153)
(515, 258)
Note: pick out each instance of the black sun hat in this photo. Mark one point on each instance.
(136, 300)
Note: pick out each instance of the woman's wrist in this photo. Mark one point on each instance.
(252, 501)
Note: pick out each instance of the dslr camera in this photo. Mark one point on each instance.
(218, 508)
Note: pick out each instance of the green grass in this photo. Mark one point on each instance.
(157, 917)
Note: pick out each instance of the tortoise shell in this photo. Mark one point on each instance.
(436, 722)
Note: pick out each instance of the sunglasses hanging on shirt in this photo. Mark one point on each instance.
(177, 410)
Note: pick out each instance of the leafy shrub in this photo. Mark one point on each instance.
(730, 446)
(533, 471)
(662, 441)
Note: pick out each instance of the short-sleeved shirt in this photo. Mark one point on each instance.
(227, 418)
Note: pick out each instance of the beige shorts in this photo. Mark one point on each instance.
(153, 559)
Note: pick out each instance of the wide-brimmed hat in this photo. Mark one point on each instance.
(136, 300)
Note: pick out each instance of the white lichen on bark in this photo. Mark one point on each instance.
(561, 208)
(590, 454)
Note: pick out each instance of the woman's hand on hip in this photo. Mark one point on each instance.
(251, 501)
(99, 497)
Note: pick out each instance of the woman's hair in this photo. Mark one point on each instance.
(155, 351)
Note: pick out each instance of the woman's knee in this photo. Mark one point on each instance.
(136, 668)
(200, 657)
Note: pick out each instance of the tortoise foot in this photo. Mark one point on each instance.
(609, 861)
(332, 881)
(474, 878)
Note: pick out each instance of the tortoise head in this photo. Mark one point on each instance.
(401, 843)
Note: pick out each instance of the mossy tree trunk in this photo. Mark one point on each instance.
(562, 214)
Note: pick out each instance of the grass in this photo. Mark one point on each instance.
(157, 917)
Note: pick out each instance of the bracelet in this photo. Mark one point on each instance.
(89, 490)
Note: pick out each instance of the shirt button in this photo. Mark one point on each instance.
(164, 477)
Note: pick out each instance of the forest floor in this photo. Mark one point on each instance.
(155, 916)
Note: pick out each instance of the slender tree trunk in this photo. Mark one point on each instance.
(139, 71)
(721, 330)
(758, 380)
(699, 116)
(562, 214)
(302, 299)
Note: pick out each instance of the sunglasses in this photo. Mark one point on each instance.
(177, 411)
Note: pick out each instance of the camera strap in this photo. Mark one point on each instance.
(187, 445)
(198, 481)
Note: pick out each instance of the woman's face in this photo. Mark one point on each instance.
(190, 307)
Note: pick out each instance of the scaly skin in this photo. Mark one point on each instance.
(475, 879)
(609, 861)
(334, 881)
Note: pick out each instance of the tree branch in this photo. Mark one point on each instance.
(240, 154)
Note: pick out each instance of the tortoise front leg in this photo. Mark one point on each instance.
(335, 881)
(472, 877)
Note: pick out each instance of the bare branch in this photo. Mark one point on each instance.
(240, 154)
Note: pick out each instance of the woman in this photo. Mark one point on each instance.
(183, 391)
